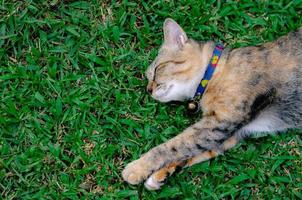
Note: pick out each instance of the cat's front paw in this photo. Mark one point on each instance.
(135, 172)
(152, 184)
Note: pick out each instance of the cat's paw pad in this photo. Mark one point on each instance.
(135, 172)
(152, 184)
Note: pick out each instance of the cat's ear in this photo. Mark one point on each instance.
(174, 35)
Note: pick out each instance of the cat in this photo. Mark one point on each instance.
(254, 90)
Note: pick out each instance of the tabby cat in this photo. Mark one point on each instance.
(253, 91)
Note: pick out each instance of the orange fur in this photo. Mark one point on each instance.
(253, 89)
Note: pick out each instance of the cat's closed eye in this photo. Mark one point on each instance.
(171, 67)
(159, 69)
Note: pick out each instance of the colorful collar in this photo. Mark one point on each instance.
(210, 70)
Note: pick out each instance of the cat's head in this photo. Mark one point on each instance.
(176, 71)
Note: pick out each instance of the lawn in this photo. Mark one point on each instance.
(74, 110)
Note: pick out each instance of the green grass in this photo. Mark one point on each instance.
(74, 110)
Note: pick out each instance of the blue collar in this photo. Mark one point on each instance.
(210, 70)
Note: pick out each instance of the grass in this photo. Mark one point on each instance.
(74, 110)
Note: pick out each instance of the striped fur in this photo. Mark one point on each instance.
(254, 91)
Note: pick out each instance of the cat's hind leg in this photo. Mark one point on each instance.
(158, 178)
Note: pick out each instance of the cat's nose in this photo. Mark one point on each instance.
(149, 90)
(150, 87)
